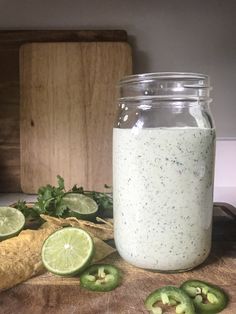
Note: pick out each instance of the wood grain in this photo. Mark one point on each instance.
(51, 294)
(68, 107)
(10, 41)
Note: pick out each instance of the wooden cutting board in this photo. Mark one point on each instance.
(10, 42)
(67, 111)
(50, 294)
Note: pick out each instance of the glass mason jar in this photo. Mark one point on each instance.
(163, 171)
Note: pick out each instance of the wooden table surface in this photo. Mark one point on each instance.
(51, 294)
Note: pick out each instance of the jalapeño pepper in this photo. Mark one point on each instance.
(100, 277)
(159, 301)
(207, 298)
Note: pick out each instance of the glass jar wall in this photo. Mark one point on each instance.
(163, 167)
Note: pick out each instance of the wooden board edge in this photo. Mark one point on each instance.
(19, 37)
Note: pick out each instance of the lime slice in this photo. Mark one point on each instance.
(11, 222)
(67, 251)
(81, 206)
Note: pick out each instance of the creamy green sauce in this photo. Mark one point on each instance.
(163, 196)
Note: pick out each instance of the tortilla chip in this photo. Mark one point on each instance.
(101, 231)
(106, 221)
(102, 250)
(60, 222)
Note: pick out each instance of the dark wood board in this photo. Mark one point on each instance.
(19, 37)
(10, 41)
(50, 294)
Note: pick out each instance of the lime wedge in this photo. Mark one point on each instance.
(67, 251)
(81, 206)
(11, 222)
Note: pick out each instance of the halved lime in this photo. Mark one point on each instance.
(11, 222)
(67, 251)
(81, 206)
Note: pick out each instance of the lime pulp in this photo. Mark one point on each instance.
(80, 206)
(12, 222)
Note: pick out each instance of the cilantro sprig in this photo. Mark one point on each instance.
(50, 201)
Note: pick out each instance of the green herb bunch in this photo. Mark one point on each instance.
(50, 201)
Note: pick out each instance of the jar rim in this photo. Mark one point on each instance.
(166, 86)
(148, 77)
(166, 99)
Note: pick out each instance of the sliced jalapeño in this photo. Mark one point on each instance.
(207, 299)
(100, 277)
(161, 300)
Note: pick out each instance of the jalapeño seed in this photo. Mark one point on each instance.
(91, 278)
(165, 298)
(212, 298)
(180, 309)
(204, 290)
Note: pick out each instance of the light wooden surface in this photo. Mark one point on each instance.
(49, 294)
(10, 41)
(68, 107)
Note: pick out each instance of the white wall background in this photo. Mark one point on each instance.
(225, 172)
(167, 35)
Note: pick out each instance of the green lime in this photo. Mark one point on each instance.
(11, 222)
(67, 251)
(80, 206)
